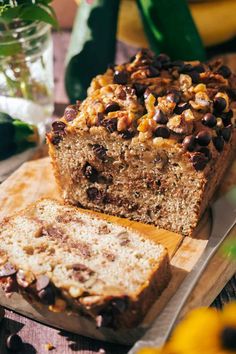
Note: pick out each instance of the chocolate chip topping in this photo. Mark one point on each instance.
(58, 126)
(120, 77)
(203, 138)
(42, 282)
(7, 270)
(160, 117)
(226, 117)
(162, 132)
(219, 104)
(127, 134)
(55, 140)
(189, 143)
(206, 151)
(173, 97)
(199, 161)
(47, 295)
(218, 142)
(195, 76)
(139, 89)
(153, 72)
(226, 133)
(209, 120)
(90, 172)
(110, 124)
(224, 71)
(112, 107)
(71, 112)
(181, 107)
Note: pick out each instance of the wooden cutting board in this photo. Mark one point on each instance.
(35, 179)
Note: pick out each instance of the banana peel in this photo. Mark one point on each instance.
(215, 21)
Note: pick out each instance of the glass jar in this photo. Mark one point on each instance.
(26, 81)
(26, 71)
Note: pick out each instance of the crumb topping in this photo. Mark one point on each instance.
(190, 103)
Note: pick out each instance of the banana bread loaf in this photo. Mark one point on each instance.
(151, 141)
(65, 258)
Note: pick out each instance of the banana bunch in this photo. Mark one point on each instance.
(215, 20)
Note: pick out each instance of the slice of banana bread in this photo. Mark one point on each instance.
(151, 141)
(69, 259)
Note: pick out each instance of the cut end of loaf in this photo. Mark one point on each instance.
(96, 267)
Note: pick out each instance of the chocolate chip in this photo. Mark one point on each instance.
(199, 161)
(189, 143)
(104, 319)
(199, 68)
(127, 134)
(55, 140)
(181, 107)
(203, 138)
(226, 133)
(139, 89)
(209, 120)
(195, 76)
(112, 107)
(71, 112)
(14, 343)
(42, 282)
(119, 305)
(163, 58)
(121, 94)
(147, 93)
(100, 151)
(94, 194)
(177, 63)
(160, 117)
(218, 142)
(120, 77)
(110, 124)
(206, 152)
(224, 71)
(90, 172)
(47, 295)
(58, 126)
(153, 72)
(100, 118)
(228, 338)
(173, 97)
(186, 68)
(162, 132)
(226, 117)
(7, 270)
(219, 104)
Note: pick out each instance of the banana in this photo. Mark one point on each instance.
(215, 20)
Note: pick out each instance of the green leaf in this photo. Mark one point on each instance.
(38, 13)
(10, 13)
(9, 49)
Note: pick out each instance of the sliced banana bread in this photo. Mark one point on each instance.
(69, 259)
(150, 142)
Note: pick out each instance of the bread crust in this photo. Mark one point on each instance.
(153, 148)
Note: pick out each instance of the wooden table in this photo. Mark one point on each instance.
(35, 335)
